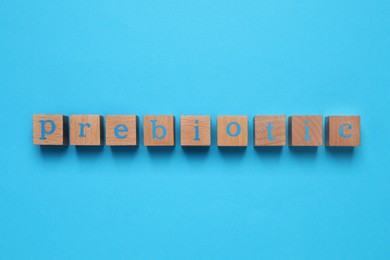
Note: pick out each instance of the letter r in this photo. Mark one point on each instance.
(82, 127)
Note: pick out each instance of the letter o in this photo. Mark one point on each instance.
(229, 126)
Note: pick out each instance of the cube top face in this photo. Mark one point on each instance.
(306, 131)
(195, 130)
(270, 131)
(343, 130)
(232, 131)
(121, 130)
(85, 130)
(49, 129)
(159, 130)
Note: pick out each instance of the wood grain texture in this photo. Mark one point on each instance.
(223, 138)
(120, 122)
(349, 127)
(168, 122)
(306, 130)
(57, 136)
(92, 134)
(264, 135)
(190, 136)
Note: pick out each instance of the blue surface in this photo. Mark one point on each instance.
(194, 57)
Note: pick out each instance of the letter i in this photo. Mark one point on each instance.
(196, 131)
(307, 137)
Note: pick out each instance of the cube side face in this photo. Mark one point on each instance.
(270, 130)
(49, 129)
(85, 130)
(232, 131)
(159, 130)
(121, 130)
(195, 130)
(343, 131)
(306, 131)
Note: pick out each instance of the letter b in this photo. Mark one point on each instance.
(159, 130)
(154, 130)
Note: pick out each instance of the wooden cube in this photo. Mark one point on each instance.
(50, 129)
(232, 131)
(343, 130)
(305, 130)
(121, 130)
(270, 130)
(195, 130)
(159, 130)
(86, 130)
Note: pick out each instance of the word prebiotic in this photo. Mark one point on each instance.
(122, 130)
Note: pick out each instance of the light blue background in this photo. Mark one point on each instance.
(194, 57)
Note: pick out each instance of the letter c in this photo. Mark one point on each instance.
(342, 132)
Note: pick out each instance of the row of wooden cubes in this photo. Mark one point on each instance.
(121, 130)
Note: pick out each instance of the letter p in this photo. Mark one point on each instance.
(43, 128)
